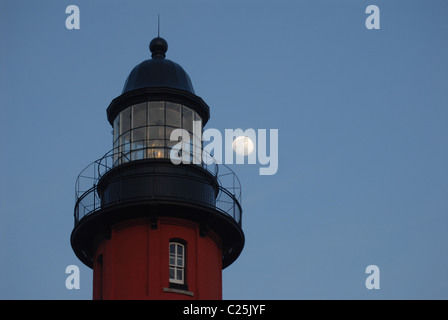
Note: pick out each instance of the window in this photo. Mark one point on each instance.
(187, 119)
(177, 263)
(138, 133)
(173, 115)
(125, 121)
(156, 113)
(143, 131)
(116, 129)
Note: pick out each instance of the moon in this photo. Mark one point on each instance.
(243, 145)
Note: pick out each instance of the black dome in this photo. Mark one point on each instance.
(158, 71)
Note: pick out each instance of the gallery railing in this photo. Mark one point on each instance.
(88, 201)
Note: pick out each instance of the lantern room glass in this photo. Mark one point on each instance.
(142, 131)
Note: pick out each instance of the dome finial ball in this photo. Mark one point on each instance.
(158, 47)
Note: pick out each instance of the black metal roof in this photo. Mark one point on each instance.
(158, 71)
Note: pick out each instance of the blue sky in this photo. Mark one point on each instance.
(363, 137)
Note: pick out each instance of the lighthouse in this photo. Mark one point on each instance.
(149, 227)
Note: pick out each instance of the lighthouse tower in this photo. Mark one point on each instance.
(148, 226)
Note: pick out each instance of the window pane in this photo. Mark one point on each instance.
(155, 153)
(177, 262)
(115, 139)
(197, 118)
(124, 142)
(156, 143)
(173, 114)
(115, 159)
(116, 128)
(138, 144)
(138, 155)
(187, 119)
(169, 130)
(170, 145)
(156, 132)
(139, 115)
(125, 148)
(125, 121)
(156, 113)
(139, 135)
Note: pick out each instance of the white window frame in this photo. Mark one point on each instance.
(175, 266)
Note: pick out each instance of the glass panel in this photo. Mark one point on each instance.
(172, 248)
(156, 143)
(138, 143)
(156, 113)
(197, 140)
(138, 155)
(171, 273)
(139, 115)
(153, 150)
(173, 114)
(116, 129)
(139, 135)
(179, 274)
(115, 139)
(187, 119)
(156, 132)
(180, 250)
(155, 153)
(125, 147)
(168, 134)
(125, 121)
(180, 262)
(170, 145)
(115, 159)
(172, 260)
(197, 118)
(124, 142)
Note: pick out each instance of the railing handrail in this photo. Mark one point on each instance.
(229, 194)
